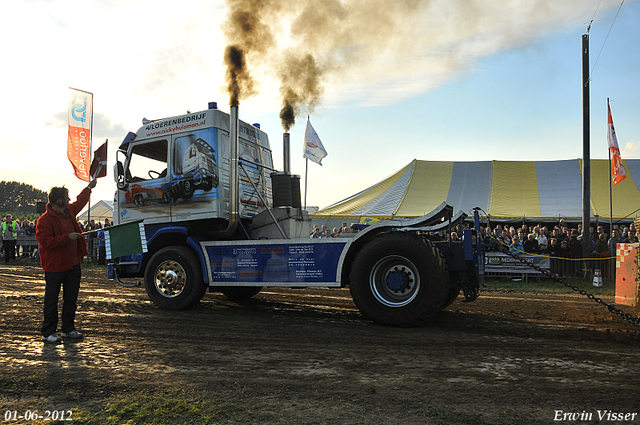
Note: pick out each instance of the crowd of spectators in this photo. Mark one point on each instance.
(324, 232)
(95, 239)
(562, 241)
(10, 230)
(563, 244)
(12, 247)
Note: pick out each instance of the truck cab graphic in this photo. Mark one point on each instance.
(194, 168)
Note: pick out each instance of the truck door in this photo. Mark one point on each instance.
(145, 181)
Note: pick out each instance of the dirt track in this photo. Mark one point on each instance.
(308, 356)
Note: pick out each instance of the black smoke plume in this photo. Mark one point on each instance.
(249, 37)
(300, 87)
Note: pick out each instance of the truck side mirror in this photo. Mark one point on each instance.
(118, 175)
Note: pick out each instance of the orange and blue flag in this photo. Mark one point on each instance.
(79, 141)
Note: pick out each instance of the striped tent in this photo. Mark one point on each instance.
(99, 211)
(503, 189)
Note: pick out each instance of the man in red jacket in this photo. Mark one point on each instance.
(62, 248)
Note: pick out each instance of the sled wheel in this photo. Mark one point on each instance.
(173, 279)
(238, 293)
(399, 279)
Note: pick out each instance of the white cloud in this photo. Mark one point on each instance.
(631, 150)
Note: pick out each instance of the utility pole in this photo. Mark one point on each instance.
(586, 154)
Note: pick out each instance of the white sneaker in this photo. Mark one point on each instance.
(51, 338)
(73, 334)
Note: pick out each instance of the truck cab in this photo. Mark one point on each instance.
(175, 170)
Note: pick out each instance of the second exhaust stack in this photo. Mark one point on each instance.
(286, 153)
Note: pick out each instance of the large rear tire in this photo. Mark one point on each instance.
(399, 279)
(173, 278)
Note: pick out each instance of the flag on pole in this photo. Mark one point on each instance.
(617, 169)
(79, 141)
(99, 164)
(313, 148)
(125, 239)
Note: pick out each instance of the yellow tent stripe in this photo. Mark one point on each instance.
(626, 199)
(359, 201)
(428, 188)
(514, 190)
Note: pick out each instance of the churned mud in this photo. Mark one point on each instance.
(308, 356)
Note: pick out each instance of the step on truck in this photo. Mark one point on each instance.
(219, 217)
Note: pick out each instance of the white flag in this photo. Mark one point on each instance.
(313, 148)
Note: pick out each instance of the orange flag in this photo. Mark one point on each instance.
(79, 140)
(617, 169)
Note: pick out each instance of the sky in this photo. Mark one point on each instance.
(446, 80)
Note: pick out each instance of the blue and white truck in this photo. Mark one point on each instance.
(238, 227)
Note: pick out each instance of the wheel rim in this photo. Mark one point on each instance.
(394, 281)
(170, 279)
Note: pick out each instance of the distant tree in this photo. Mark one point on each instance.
(20, 199)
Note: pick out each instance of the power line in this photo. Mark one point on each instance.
(594, 16)
(605, 39)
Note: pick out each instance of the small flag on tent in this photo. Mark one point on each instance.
(125, 239)
(617, 169)
(99, 164)
(313, 148)
(80, 114)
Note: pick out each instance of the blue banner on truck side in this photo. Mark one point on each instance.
(308, 263)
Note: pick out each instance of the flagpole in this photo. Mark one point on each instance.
(306, 171)
(90, 150)
(610, 198)
(610, 182)
(306, 167)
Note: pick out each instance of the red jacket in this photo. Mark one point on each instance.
(58, 253)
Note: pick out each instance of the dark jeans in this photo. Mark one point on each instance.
(102, 254)
(9, 250)
(70, 281)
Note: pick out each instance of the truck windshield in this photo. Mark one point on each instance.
(148, 161)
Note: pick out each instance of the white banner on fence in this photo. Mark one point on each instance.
(496, 262)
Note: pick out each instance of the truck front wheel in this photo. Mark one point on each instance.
(399, 279)
(173, 278)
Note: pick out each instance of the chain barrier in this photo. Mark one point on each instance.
(555, 276)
